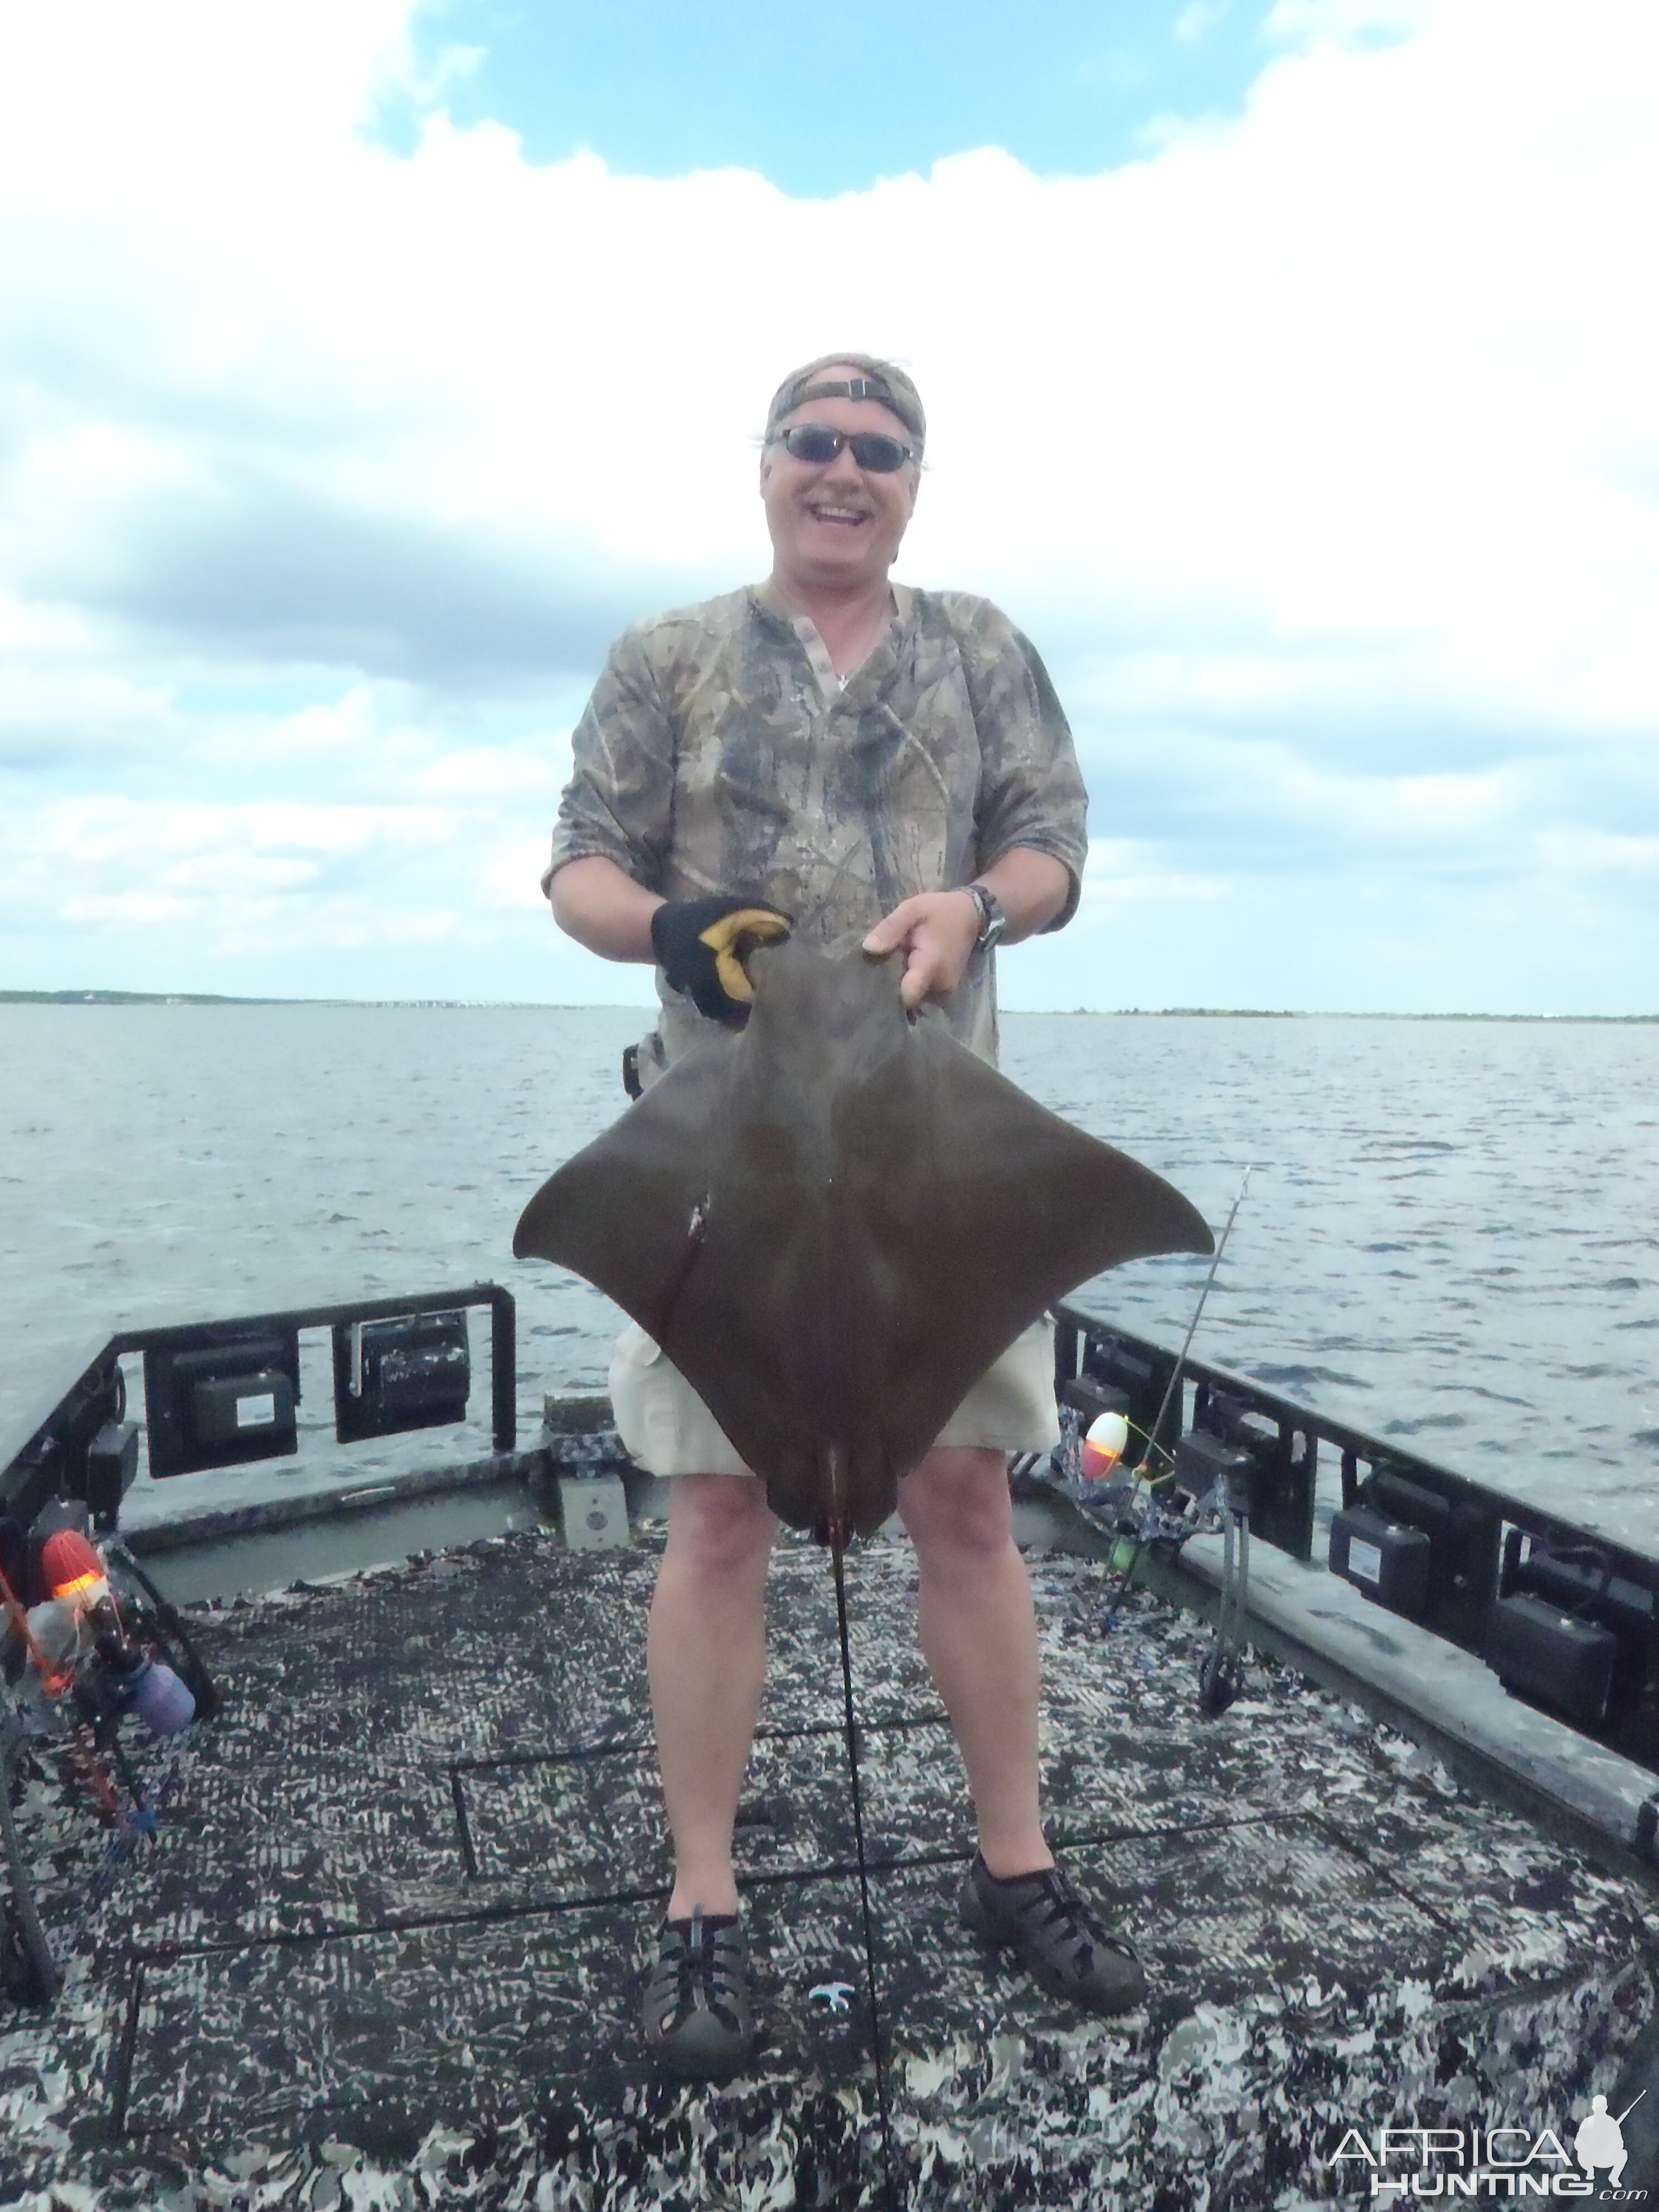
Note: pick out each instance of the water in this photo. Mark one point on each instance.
(1451, 1236)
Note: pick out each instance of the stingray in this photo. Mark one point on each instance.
(834, 1220)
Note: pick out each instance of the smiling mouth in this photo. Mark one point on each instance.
(846, 518)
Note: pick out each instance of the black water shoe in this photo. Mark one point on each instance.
(698, 2019)
(1055, 1936)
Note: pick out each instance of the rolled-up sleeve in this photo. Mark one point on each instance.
(619, 801)
(1032, 791)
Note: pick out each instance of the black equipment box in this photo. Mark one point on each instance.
(1281, 1466)
(1464, 1550)
(1203, 1460)
(228, 1408)
(1579, 1584)
(1388, 1562)
(112, 1463)
(1577, 1581)
(1557, 1658)
(222, 1401)
(415, 1372)
(1083, 1395)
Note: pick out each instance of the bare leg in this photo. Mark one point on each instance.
(979, 1636)
(706, 1657)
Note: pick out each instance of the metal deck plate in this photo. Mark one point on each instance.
(383, 1951)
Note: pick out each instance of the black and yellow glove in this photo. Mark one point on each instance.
(703, 943)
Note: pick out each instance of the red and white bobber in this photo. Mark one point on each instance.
(1104, 1446)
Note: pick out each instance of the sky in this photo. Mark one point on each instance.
(1292, 373)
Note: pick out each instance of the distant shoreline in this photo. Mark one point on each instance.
(1045, 1013)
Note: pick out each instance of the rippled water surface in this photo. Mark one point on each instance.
(1451, 1236)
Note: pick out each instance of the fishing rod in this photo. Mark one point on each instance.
(1215, 1681)
(1174, 1384)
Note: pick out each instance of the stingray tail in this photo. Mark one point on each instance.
(838, 1535)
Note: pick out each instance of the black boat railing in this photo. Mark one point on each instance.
(223, 1393)
(1566, 1617)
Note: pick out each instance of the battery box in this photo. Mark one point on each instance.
(1205, 1463)
(1559, 1658)
(412, 1372)
(1385, 1559)
(234, 1409)
(219, 1397)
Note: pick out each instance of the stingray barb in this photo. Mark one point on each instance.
(835, 1219)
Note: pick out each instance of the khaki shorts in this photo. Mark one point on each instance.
(669, 1430)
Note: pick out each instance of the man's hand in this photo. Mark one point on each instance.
(937, 931)
(703, 943)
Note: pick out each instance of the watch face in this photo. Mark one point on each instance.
(991, 919)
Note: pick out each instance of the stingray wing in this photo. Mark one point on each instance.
(695, 1213)
(620, 1211)
(988, 1207)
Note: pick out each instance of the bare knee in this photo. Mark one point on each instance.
(719, 1525)
(955, 1506)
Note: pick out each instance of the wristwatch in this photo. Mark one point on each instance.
(991, 919)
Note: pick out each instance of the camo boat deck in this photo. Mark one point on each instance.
(383, 1950)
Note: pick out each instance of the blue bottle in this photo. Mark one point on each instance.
(158, 1697)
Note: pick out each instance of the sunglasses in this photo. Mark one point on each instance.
(816, 444)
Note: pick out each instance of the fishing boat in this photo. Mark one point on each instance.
(1362, 1755)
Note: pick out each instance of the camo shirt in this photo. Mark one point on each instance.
(719, 752)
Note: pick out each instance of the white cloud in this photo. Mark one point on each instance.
(1321, 445)
(139, 909)
(1590, 854)
(1347, 22)
(153, 861)
(496, 772)
(348, 725)
(1127, 870)
(511, 876)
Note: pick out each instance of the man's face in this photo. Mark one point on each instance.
(836, 524)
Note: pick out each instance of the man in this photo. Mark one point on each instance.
(884, 766)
